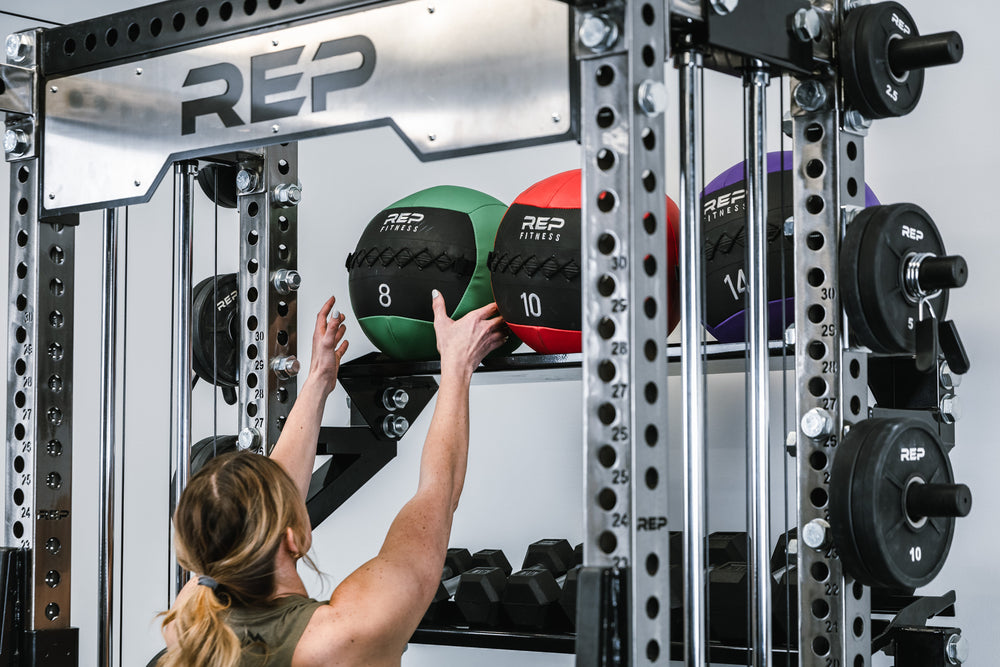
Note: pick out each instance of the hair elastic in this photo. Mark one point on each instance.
(204, 580)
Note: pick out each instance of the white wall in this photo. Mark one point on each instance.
(525, 465)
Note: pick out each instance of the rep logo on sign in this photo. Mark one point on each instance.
(261, 86)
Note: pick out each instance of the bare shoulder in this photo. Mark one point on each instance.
(335, 637)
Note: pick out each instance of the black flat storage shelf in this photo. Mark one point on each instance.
(531, 367)
(566, 643)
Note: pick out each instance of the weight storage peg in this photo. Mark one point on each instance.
(893, 503)
(883, 57)
(895, 279)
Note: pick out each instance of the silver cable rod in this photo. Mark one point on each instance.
(180, 357)
(107, 486)
(692, 362)
(758, 466)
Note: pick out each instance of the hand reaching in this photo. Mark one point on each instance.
(465, 342)
(327, 348)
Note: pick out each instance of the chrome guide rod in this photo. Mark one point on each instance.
(180, 357)
(692, 361)
(758, 468)
(109, 358)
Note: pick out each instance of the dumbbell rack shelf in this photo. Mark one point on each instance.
(720, 357)
(566, 642)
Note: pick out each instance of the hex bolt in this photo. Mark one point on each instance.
(949, 380)
(286, 367)
(957, 649)
(17, 47)
(817, 423)
(855, 121)
(951, 409)
(790, 335)
(286, 281)
(810, 94)
(248, 439)
(806, 24)
(395, 426)
(723, 7)
(287, 194)
(395, 399)
(246, 180)
(816, 534)
(598, 32)
(16, 142)
(652, 97)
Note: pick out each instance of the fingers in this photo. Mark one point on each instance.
(324, 312)
(342, 350)
(437, 304)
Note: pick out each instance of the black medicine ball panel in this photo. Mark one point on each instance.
(724, 227)
(401, 257)
(535, 267)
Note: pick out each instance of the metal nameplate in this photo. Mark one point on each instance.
(454, 78)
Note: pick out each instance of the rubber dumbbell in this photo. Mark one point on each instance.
(531, 597)
(727, 585)
(480, 589)
(784, 577)
(456, 562)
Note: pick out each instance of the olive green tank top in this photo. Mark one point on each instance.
(269, 635)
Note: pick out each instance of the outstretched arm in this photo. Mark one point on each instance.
(386, 597)
(295, 450)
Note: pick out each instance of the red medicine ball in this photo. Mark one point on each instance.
(535, 265)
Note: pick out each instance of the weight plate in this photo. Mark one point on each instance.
(871, 84)
(218, 182)
(899, 551)
(850, 261)
(216, 331)
(889, 238)
(842, 474)
(208, 448)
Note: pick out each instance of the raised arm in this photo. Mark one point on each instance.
(295, 450)
(385, 598)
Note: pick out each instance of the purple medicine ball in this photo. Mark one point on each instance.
(724, 229)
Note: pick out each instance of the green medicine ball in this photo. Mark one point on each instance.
(438, 238)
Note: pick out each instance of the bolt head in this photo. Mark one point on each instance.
(15, 142)
(815, 534)
(17, 47)
(288, 194)
(810, 94)
(249, 438)
(395, 426)
(790, 335)
(652, 97)
(287, 280)
(246, 180)
(855, 121)
(949, 379)
(957, 649)
(816, 423)
(598, 32)
(806, 24)
(723, 7)
(951, 409)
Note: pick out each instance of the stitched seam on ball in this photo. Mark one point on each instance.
(548, 267)
(401, 257)
(725, 244)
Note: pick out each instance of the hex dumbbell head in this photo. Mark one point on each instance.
(554, 555)
(479, 597)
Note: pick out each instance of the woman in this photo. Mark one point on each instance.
(241, 527)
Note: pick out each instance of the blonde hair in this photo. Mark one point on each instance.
(228, 525)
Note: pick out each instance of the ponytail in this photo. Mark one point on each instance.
(204, 639)
(229, 524)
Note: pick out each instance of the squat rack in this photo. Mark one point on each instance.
(141, 88)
